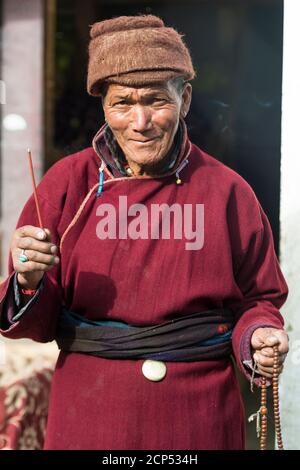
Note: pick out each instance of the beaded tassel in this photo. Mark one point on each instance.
(181, 166)
(101, 179)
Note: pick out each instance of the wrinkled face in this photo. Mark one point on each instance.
(144, 120)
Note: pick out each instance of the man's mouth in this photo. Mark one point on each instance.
(144, 141)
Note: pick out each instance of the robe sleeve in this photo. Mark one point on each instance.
(261, 283)
(40, 319)
(13, 302)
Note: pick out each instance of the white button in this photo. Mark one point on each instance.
(154, 370)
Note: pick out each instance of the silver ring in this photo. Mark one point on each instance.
(23, 257)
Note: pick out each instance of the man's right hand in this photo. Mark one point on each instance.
(40, 251)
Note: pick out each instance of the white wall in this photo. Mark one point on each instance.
(22, 75)
(290, 221)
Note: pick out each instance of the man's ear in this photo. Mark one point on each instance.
(186, 99)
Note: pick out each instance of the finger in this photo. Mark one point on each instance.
(280, 369)
(31, 231)
(272, 340)
(282, 358)
(259, 336)
(265, 373)
(48, 234)
(263, 360)
(34, 232)
(41, 257)
(266, 360)
(283, 347)
(282, 339)
(266, 351)
(269, 337)
(28, 243)
(268, 371)
(32, 266)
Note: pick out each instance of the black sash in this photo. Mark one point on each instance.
(200, 336)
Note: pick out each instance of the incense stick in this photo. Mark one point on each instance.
(34, 189)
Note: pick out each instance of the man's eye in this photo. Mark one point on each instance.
(159, 100)
(121, 103)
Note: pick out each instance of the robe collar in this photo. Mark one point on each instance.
(109, 152)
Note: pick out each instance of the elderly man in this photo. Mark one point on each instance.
(156, 264)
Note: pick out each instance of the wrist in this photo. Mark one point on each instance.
(28, 283)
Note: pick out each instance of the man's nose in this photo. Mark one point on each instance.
(141, 118)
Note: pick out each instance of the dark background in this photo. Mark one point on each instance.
(236, 47)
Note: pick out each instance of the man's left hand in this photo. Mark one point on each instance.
(262, 342)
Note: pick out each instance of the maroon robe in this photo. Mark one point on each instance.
(101, 403)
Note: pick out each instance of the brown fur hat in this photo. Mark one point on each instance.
(135, 51)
